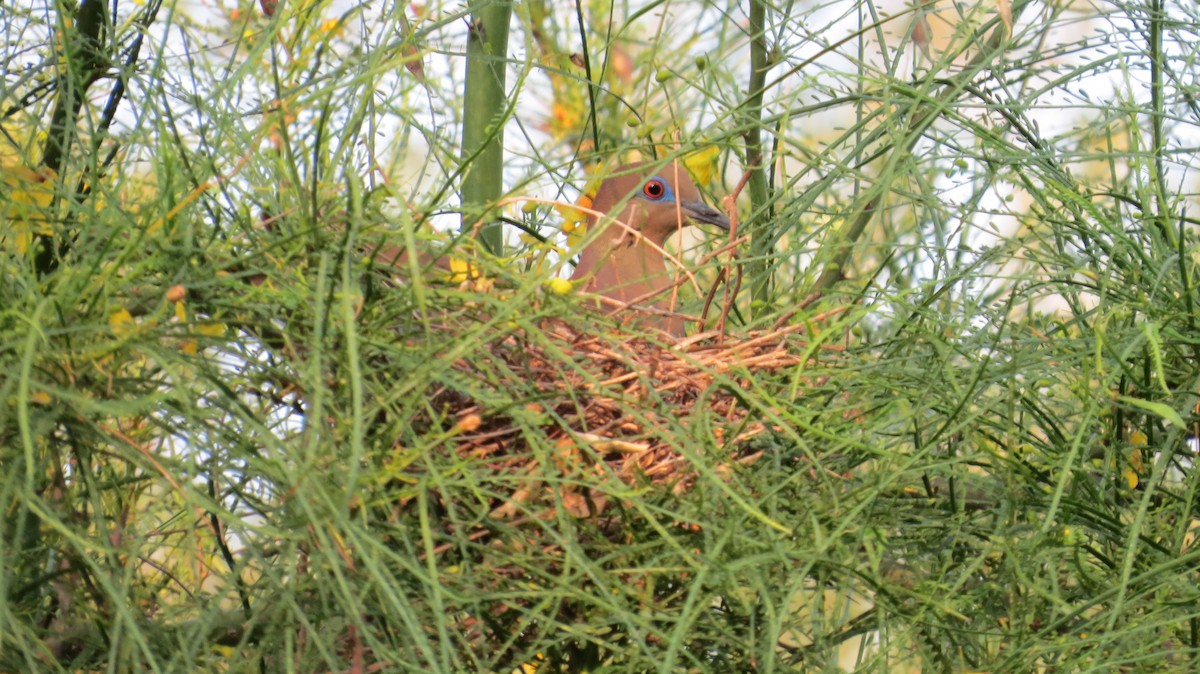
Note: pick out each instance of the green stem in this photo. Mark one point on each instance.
(83, 44)
(1163, 215)
(761, 207)
(484, 117)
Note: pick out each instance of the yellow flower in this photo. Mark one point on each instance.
(469, 423)
(531, 667)
(211, 329)
(575, 220)
(702, 164)
(559, 286)
(29, 195)
(121, 322)
(332, 26)
(461, 270)
(574, 216)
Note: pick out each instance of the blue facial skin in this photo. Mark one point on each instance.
(657, 190)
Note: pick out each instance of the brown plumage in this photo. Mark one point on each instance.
(624, 261)
(654, 200)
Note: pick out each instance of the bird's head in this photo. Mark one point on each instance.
(655, 199)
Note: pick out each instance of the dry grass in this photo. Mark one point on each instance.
(588, 386)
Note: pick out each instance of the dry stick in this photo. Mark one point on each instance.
(765, 338)
(672, 302)
(731, 248)
(727, 247)
(474, 536)
(618, 305)
(731, 206)
(804, 304)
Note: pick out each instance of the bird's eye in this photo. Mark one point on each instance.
(654, 189)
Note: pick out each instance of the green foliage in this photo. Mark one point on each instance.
(233, 441)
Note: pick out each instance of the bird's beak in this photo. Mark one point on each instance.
(701, 213)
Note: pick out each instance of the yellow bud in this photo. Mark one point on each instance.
(703, 164)
(469, 423)
(461, 270)
(27, 195)
(121, 322)
(211, 329)
(559, 286)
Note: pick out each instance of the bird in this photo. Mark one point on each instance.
(632, 214)
(639, 206)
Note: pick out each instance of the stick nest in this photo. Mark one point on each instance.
(609, 407)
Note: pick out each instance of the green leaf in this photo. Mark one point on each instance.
(1162, 410)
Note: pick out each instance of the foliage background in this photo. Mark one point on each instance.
(221, 442)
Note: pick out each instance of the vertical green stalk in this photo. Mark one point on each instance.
(761, 207)
(83, 38)
(484, 115)
(1162, 205)
(83, 44)
(1156, 119)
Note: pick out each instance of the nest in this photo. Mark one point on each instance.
(596, 390)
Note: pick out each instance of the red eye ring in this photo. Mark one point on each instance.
(654, 189)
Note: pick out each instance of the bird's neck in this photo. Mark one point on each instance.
(625, 268)
(630, 270)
